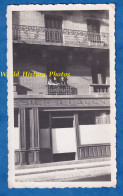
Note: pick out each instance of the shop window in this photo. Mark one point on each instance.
(86, 118)
(53, 31)
(62, 114)
(94, 117)
(62, 122)
(16, 118)
(102, 117)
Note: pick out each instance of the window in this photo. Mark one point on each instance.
(98, 74)
(93, 27)
(53, 31)
(57, 77)
(94, 117)
(100, 68)
(62, 122)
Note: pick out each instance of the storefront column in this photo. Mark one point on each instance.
(50, 127)
(76, 125)
(23, 156)
(34, 154)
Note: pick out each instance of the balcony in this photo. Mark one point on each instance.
(60, 37)
(100, 88)
(60, 90)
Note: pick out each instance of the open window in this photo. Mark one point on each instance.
(100, 73)
(93, 27)
(57, 81)
(56, 70)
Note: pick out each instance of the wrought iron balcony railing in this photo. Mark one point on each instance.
(35, 34)
(60, 90)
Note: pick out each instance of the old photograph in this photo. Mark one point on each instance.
(61, 96)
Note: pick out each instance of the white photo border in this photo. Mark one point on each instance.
(11, 167)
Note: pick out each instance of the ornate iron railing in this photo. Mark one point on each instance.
(60, 90)
(54, 36)
(36, 34)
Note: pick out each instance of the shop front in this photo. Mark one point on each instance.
(62, 132)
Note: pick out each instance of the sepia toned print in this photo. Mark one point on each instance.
(61, 96)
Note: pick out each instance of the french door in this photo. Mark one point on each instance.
(53, 31)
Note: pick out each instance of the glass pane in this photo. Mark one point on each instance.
(94, 117)
(62, 122)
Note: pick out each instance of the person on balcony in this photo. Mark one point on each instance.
(50, 82)
(55, 82)
(63, 81)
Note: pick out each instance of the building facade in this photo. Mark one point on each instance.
(62, 94)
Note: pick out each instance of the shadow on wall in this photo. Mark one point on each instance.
(29, 58)
(79, 17)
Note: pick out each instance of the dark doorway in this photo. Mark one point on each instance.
(45, 137)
